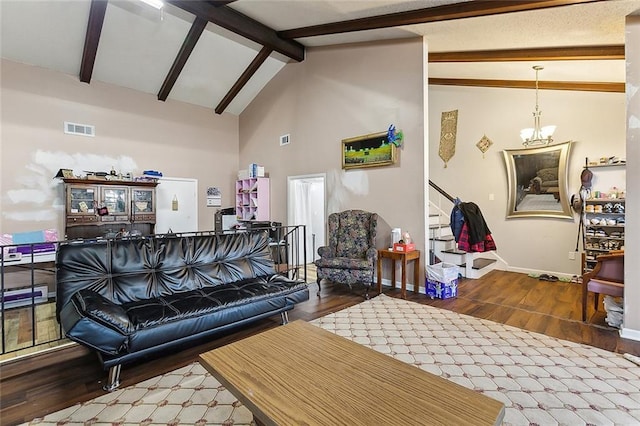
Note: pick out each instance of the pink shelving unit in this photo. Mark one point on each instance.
(252, 199)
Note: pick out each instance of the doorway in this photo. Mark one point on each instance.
(176, 205)
(306, 206)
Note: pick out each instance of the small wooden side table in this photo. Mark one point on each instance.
(404, 258)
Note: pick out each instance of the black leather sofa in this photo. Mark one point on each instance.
(130, 298)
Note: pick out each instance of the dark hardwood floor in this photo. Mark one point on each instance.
(35, 386)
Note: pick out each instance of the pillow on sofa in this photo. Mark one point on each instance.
(103, 310)
(548, 174)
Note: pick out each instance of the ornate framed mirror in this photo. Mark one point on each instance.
(537, 181)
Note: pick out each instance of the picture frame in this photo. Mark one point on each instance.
(372, 150)
(537, 182)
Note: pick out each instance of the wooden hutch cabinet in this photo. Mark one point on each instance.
(102, 208)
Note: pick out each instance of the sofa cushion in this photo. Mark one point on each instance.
(166, 309)
(343, 263)
(125, 271)
(352, 231)
(103, 311)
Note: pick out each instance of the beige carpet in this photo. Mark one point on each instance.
(540, 379)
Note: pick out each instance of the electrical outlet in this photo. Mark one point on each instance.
(572, 255)
(492, 197)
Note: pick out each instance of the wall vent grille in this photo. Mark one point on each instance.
(79, 129)
(285, 139)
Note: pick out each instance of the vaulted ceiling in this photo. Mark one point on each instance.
(221, 53)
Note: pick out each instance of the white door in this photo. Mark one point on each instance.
(176, 205)
(306, 201)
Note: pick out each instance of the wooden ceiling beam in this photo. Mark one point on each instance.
(244, 78)
(608, 52)
(97, 12)
(238, 23)
(583, 86)
(446, 12)
(188, 45)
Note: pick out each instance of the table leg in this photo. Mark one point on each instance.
(379, 274)
(393, 273)
(416, 276)
(404, 277)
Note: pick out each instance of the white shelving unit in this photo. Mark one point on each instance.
(604, 217)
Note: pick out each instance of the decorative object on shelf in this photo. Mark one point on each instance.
(370, 150)
(448, 131)
(537, 180)
(395, 137)
(64, 173)
(537, 135)
(484, 144)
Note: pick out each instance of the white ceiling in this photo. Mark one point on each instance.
(138, 44)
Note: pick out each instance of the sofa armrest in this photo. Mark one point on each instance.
(102, 310)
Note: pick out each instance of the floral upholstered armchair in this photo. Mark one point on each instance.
(350, 254)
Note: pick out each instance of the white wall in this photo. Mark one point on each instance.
(134, 132)
(340, 92)
(594, 120)
(631, 325)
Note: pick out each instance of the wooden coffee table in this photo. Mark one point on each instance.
(301, 374)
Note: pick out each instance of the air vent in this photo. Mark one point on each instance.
(79, 129)
(285, 139)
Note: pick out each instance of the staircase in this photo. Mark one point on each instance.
(442, 245)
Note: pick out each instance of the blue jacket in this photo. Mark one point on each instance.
(456, 220)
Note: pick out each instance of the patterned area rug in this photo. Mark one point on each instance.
(539, 202)
(540, 379)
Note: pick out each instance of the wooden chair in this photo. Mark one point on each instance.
(607, 277)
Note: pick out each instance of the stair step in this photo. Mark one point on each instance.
(455, 251)
(443, 238)
(480, 262)
(438, 225)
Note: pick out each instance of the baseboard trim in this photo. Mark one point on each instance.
(387, 283)
(629, 333)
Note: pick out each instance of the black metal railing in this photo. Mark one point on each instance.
(441, 191)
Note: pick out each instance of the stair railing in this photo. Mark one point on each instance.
(441, 191)
(437, 232)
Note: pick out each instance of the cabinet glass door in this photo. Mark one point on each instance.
(143, 201)
(82, 200)
(115, 200)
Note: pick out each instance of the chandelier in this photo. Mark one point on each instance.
(537, 135)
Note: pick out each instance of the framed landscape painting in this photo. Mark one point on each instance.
(371, 150)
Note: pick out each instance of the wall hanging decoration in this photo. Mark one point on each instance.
(395, 137)
(448, 129)
(370, 150)
(484, 144)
